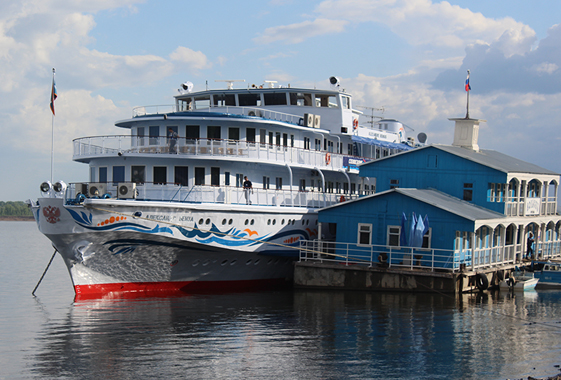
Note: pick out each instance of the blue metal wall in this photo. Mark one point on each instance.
(431, 167)
(385, 210)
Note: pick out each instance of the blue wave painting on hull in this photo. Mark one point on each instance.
(86, 221)
(81, 218)
(231, 238)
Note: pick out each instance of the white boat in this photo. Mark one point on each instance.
(519, 282)
(166, 211)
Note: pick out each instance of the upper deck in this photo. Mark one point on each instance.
(329, 110)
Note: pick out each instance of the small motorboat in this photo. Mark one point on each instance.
(519, 281)
(548, 273)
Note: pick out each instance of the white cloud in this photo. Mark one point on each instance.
(545, 68)
(533, 70)
(194, 59)
(79, 113)
(424, 22)
(296, 33)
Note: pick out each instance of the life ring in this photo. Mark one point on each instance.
(327, 158)
(355, 123)
(481, 281)
(342, 199)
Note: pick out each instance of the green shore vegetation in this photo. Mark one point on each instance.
(14, 209)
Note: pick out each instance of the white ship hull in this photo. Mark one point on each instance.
(165, 249)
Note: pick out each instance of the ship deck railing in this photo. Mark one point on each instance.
(111, 146)
(418, 258)
(201, 194)
(168, 109)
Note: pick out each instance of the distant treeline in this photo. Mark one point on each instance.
(14, 209)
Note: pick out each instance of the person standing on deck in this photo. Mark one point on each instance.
(530, 246)
(247, 188)
(172, 136)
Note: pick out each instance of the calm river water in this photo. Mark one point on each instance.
(285, 335)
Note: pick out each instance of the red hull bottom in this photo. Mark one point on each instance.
(179, 288)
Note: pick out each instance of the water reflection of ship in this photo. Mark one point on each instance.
(292, 334)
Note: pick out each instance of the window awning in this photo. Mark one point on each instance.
(383, 144)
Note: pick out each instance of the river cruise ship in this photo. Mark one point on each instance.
(168, 206)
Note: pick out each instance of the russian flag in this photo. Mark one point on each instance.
(468, 87)
(53, 96)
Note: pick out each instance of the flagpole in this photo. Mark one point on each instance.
(467, 90)
(52, 128)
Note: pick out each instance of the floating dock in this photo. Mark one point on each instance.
(329, 275)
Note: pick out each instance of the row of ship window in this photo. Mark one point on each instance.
(305, 222)
(260, 99)
(234, 261)
(192, 133)
(181, 177)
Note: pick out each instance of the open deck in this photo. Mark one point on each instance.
(204, 194)
(110, 146)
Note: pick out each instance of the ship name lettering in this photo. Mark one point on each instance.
(160, 217)
(354, 161)
(185, 218)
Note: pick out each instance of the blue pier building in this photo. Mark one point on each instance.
(446, 207)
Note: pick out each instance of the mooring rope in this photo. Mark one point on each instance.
(44, 272)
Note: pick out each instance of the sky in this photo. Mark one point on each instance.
(409, 57)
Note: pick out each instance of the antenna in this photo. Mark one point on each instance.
(270, 83)
(372, 116)
(230, 82)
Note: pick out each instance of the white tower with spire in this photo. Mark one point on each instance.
(466, 132)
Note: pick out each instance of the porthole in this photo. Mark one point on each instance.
(206, 262)
(195, 263)
(256, 261)
(269, 222)
(292, 221)
(270, 261)
(252, 221)
(201, 221)
(230, 221)
(208, 221)
(307, 222)
(233, 262)
(224, 262)
(282, 221)
(248, 262)
(274, 222)
(223, 221)
(246, 222)
(302, 221)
